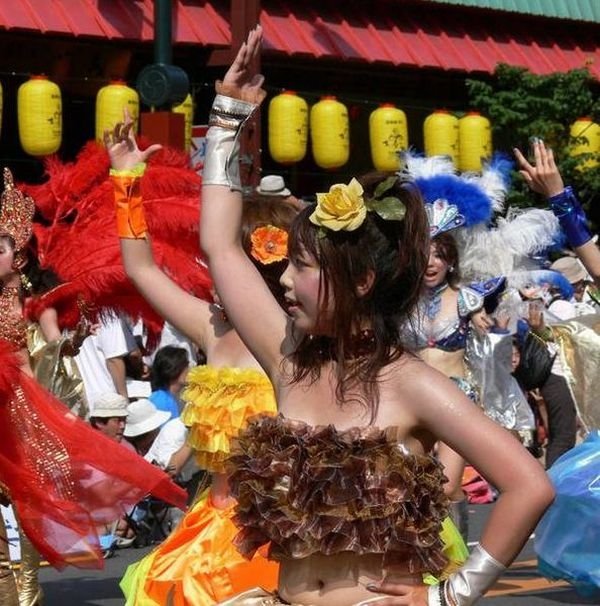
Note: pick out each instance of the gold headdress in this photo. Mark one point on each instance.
(16, 213)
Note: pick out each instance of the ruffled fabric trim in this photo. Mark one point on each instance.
(219, 402)
(319, 490)
(197, 563)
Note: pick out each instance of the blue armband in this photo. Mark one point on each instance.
(571, 217)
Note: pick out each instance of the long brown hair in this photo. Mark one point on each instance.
(396, 253)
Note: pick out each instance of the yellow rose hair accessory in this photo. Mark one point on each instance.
(269, 244)
(344, 207)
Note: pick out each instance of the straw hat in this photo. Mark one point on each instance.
(571, 268)
(144, 417)
(273, 185)
(110, 405)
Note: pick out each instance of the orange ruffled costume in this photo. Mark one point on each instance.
(197, 563)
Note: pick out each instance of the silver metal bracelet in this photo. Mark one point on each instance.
(435, 595)
(227, 118)
(470, 582)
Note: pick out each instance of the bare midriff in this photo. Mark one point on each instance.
(336, 580)
(451, 363)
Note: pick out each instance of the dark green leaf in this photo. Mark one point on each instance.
(389, 209)
(384, 186)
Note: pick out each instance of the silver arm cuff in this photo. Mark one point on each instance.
(465, 586)
(221, 166)
(434, 596)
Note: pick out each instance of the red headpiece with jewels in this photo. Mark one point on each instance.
(16, 213)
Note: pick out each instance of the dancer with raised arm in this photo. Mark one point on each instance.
(198, 563)
(543, 177)
(342, 483)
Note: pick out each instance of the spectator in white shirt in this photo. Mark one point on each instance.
(101, 359)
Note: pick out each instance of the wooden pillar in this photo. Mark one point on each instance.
(244, 15)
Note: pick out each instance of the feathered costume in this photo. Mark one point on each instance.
(63, 477)
(491, 257)
(77, 205)
(76, 237)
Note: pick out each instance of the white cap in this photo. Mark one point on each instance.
(144, 417)
(273, 185)
(110, 405)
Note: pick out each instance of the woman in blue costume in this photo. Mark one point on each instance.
(566, 538)
(444, 316)
(342, 483)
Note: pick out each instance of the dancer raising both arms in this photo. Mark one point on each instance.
(342, 483)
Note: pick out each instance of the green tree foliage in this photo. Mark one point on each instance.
(520, 105)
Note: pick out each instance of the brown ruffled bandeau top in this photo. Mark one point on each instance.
(310, 490)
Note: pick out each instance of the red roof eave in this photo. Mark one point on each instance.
(410, 35)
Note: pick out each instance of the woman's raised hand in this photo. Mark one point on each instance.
(122, 147)
(542, 177)
(241, 81)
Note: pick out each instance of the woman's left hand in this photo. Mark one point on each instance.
(543, 175)
(482, 322)
(241, 81)
(122, 147)
(400, 595)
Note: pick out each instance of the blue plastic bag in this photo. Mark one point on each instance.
(567, 539)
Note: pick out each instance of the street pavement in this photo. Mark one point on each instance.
(520, 586)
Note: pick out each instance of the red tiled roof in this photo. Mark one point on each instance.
(399, 34)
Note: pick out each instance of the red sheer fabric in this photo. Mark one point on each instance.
(65, 478)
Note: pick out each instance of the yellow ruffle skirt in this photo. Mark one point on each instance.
(219, 402)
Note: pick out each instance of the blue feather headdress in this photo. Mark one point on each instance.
(472, 197)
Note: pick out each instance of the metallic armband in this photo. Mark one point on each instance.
(131, 221)
(571, 216)
(470, 582)
(227, 118)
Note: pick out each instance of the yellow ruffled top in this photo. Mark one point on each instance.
(219, 402)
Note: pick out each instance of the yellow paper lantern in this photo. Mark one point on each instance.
(388, 134)
(110, 102)
(288, 127)
(474, 141)
(187, 109)
(330, 133)
(590, 141)
(440, 134)
(39, 115)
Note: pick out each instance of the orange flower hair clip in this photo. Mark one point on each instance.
(269, 244)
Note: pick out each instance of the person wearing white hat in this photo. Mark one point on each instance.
(144, 421)
(110, 415)
(273, 185)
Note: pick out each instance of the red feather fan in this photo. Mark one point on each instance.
(80, 243)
